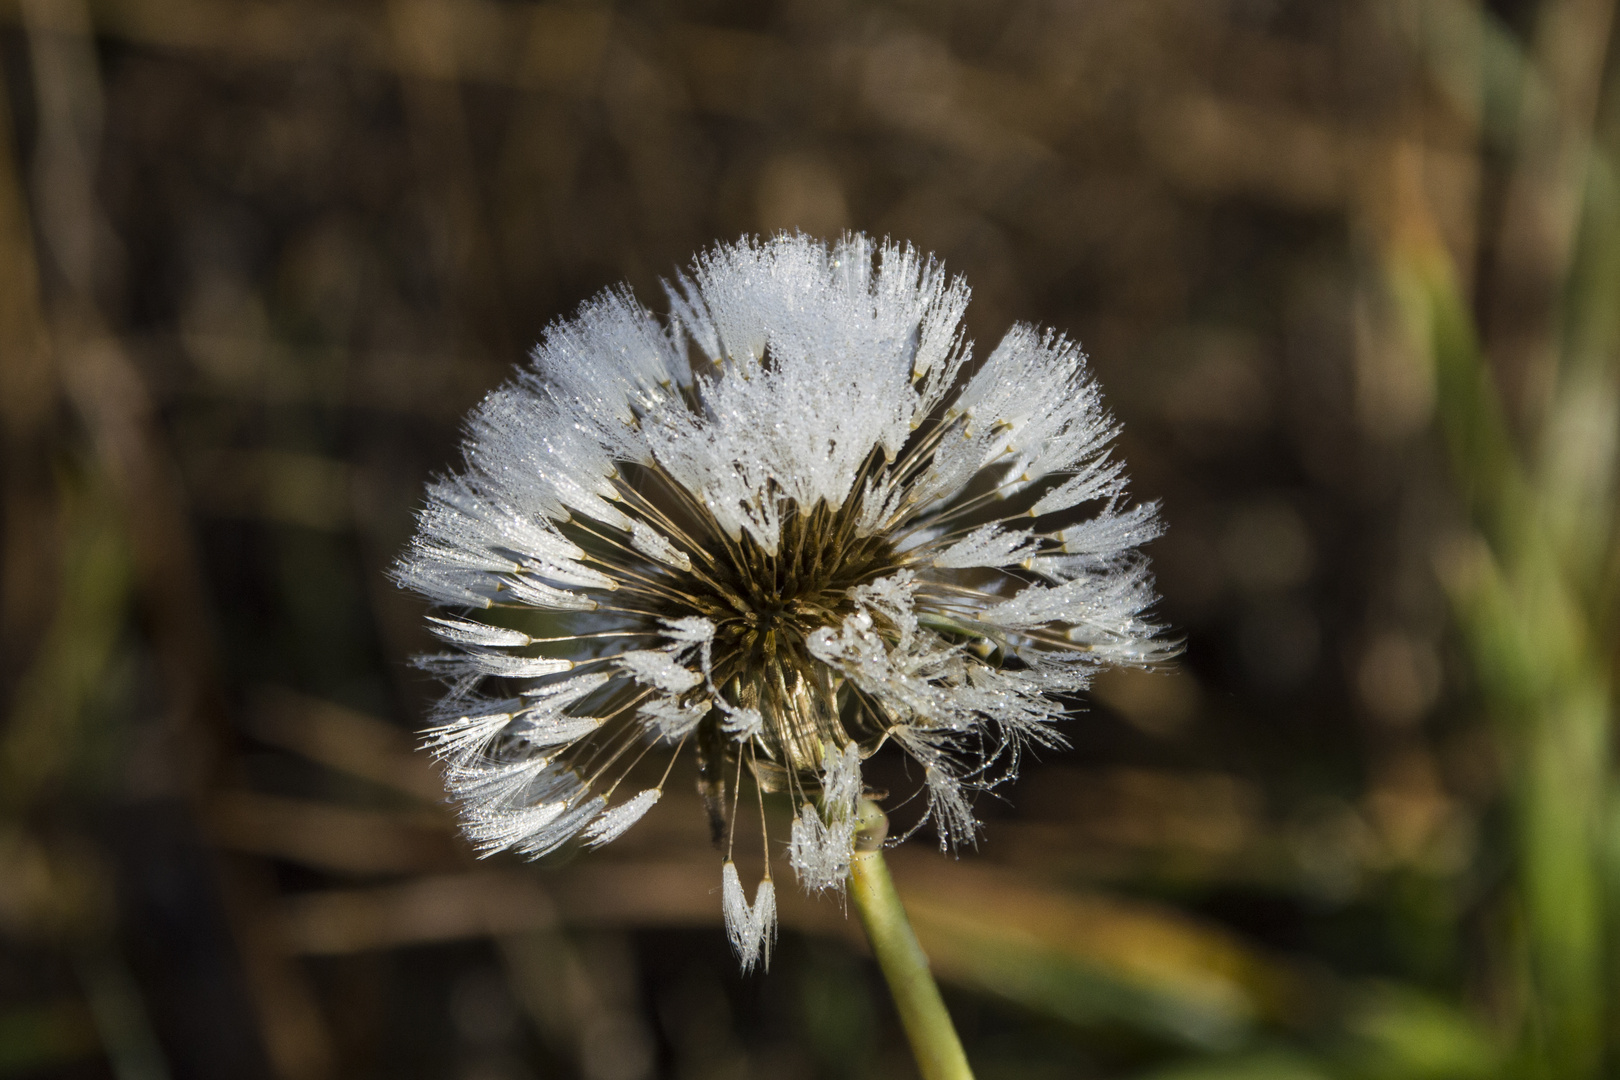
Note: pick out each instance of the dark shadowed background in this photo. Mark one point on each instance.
(1348, 271)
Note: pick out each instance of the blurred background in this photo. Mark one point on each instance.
(1349, 272)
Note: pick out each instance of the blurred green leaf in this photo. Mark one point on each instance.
(1089, 960)
(1398, 1033)
(41, 1036)
(1264, 1065)
(46, 718)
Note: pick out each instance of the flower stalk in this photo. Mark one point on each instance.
(934, 1042)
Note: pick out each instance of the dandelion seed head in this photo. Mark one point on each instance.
(785, 525)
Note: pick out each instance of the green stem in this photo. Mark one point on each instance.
(922, 1011)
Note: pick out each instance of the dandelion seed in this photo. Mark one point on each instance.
(613, 823)
(787, 525)
(819, 850)
(822, 839)
(751, 927)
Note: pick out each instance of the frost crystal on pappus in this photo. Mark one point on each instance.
(787, 524)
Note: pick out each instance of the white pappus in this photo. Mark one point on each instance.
(785, 525)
